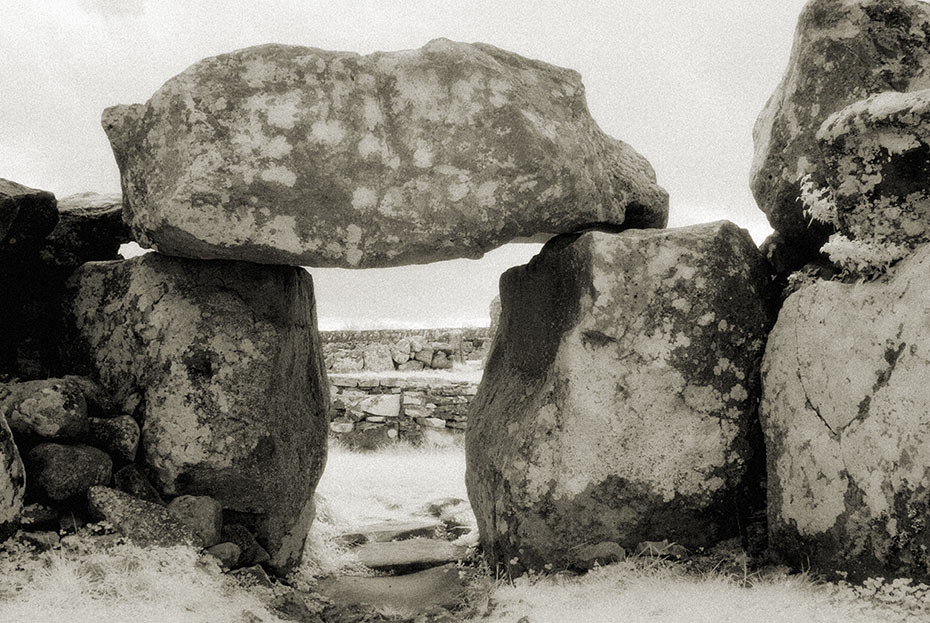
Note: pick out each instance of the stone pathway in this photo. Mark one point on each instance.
(416, 558)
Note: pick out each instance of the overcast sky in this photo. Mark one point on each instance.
(681, 81)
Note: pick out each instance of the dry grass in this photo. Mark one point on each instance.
(83, 583)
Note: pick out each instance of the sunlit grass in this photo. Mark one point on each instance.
(80, 583)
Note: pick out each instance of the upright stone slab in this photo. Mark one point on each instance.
(292, 155)
(227, 358)
(618, 402)
(846, 415)
(876, 157)
(844, 51)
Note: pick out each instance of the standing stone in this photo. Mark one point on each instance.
(292, 155)
(228, 359)
(843, 51)
(12, 482)
(618, 402)
(846, 415)
(50, 408)
(876, 157)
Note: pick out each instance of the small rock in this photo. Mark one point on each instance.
(142, 522)
(202, 514)
(62, 473)
(378, 358)
(432, 422)
(131, 480)
(376, 419)
(411, 366)
(441, 361)
(50, 408)
(603, 553)
(227, 553)
(291, 606)
(119, 436)
(252, 576)
(384, 405)
(341, 427)
(251, 552)
(424, 355)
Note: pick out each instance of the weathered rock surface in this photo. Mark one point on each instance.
(412, 593)
(131, 480)
(846, 415)
(844, 51)
(618, 402)
(144, 523)
(408, 556)
(876, 155)
(49, 408)
(12, 482)
(27, 216)
(392, 531)
(62, 473)
(90, 228)
(119, 436)
(202, 514)
(294, 155)
(227, 359)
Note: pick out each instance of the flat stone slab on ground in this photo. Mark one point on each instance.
(392, 531)
(408, 556)
(415, 592)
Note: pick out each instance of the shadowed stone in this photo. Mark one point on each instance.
(293, 155)
(407, 556)
(12, 482)
(412, 593)
(142, 522)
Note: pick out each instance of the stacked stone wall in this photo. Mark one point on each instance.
(405, 350)
(370, 411)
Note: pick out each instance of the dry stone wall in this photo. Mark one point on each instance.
(402, 350)
(371, 411)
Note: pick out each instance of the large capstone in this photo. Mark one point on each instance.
(227, 359)
(876, 158)
(844, 51)
(619, 399)
(846, 416)
(293, 155)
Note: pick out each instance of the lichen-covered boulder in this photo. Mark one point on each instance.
(876, 158)
(846, 416)
(48, 408)
(619, 399)
(844, 51)
(144, 523)
(64, 473)
(12, 482)
(227, 358)
(294, 155)
(90, 228)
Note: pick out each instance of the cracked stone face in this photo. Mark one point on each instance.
(844, 51)
(12, 482)
(227, 360)
(876, 157)
(293, 155)
(846, 415)
(618, 402)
